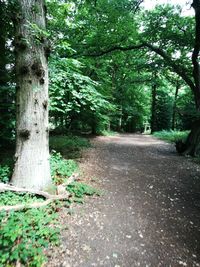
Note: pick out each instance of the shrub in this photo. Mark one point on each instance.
(69, 145)
(61, 168)
(5, 174)
(172, 136)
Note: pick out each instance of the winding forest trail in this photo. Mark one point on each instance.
(149, 214)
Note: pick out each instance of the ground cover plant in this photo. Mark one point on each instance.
(79, 189)
(24, 235)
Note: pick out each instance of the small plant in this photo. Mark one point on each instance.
(5, 174)
(61, 168)
(78, 190)
(23, 235)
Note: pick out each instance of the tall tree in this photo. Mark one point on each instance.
(32, 168)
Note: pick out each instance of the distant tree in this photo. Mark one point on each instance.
(6, 87)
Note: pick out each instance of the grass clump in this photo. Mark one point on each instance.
(69, 145)
(24, 235)
(78, 190)
(61, 168)
(172, 136)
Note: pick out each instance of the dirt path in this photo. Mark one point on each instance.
(149, 214)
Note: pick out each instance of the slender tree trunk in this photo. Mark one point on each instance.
(174, 106)
(153, 108)
(32, 168)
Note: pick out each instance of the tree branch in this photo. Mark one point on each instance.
(115, 48)
(180, 70)
(177, 68)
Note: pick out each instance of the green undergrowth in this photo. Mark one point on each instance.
(11, 198)
(108, 133)
(5, 173)
(24, 235)
(61, 168)
(68, 145)
(172, 136)
(79, 189)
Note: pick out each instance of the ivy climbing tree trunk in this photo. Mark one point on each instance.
(32, 167)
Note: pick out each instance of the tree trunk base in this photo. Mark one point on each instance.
(62, 194)
(192, 145)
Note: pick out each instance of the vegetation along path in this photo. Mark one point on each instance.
(149, 214)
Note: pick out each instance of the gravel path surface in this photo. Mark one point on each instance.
(149, 214)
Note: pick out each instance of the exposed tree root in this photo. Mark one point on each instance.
(62, 194)
(26, 206)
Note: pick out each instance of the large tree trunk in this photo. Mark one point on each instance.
(32, 168)
(192, 145)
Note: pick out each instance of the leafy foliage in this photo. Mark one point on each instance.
(74, 96)
(79, 189)
(69, 145)
(20, 230)
(61, 168)
(11, 198)
(5, 173)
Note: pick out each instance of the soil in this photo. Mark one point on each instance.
(148, 215)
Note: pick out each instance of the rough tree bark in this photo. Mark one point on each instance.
(32, 168)
(192, 145)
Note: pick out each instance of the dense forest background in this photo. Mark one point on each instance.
(94, 86)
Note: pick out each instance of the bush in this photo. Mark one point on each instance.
(172, 136)
(108, 133)
(5, 174)
(61, 168)
(69, 145)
